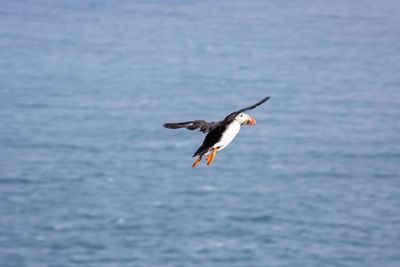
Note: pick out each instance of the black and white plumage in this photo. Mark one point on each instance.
(219, 134)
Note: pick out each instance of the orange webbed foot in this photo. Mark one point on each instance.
(197, 162)
(210, 158)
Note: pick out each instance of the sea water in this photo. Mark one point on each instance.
(89, 177)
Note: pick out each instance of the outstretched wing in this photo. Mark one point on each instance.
(233, 115)
(206, 127)
(201, 125)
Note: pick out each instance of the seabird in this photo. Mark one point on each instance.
(219, 134)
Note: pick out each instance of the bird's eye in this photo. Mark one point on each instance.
(241, 115)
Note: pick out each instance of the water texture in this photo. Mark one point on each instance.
(88, 176)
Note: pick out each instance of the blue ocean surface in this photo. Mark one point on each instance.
(89, 177)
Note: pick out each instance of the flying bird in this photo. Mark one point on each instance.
(219, 134)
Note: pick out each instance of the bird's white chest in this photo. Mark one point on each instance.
(231, 131)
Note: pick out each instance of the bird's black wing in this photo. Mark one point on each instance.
(201, 125)
(233, 115)
(207, 127)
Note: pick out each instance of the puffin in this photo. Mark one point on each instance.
(219, 134)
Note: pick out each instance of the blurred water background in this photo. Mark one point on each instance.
(88, 176)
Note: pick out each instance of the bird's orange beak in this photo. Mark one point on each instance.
(252, 121)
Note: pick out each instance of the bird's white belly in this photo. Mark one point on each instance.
(228, 136)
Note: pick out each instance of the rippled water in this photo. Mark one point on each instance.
(89, 177)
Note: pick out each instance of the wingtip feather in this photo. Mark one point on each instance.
(265, 99)
(175, 125)
(168, 125)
